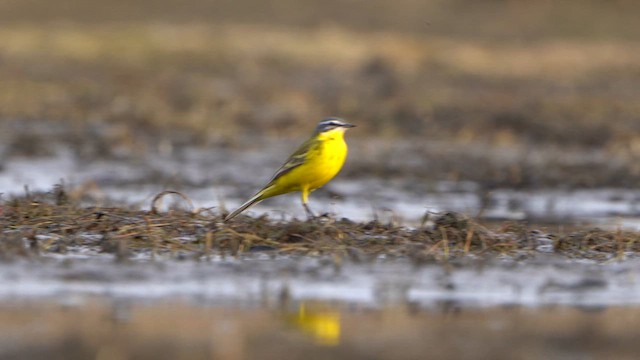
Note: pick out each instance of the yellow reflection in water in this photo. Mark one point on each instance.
(321, 323)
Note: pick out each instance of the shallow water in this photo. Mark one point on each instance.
(263, 279)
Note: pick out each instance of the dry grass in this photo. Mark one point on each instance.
(51, 223)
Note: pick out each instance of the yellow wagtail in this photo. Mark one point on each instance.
(311, 166)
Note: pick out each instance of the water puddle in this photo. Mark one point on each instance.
(264, 279)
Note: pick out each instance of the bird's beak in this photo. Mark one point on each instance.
(348, 125)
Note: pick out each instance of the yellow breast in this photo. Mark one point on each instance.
(324, 160)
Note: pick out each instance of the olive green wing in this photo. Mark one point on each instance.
(297, 158)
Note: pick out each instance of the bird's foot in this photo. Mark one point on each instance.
(310, 215)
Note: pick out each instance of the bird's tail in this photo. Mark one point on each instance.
(254, 200)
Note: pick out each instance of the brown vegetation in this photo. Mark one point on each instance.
(51, 223)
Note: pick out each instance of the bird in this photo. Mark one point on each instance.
(311, 166)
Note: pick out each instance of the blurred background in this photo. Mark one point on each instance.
(489, 94)
(500, 109)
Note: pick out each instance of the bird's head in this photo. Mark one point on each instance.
(332, 123)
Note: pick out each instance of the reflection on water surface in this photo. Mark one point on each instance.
(178, 330)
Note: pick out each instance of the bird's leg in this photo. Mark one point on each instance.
(310, 215)
(304, 194)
